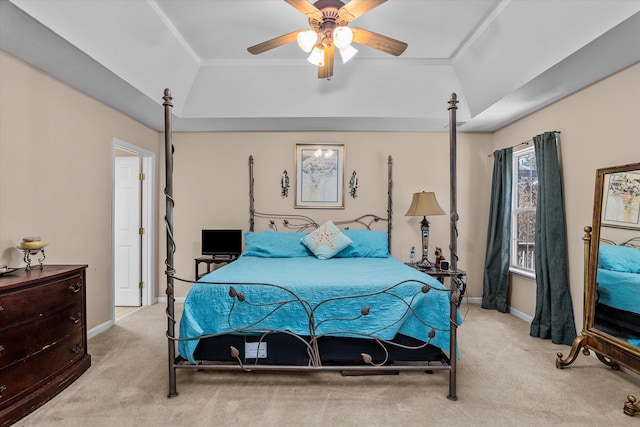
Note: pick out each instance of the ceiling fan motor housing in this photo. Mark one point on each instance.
(330, 19)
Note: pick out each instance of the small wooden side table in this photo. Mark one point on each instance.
(457, 280)
(211, 260)
(439, 274)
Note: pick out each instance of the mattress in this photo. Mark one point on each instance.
(364, 298)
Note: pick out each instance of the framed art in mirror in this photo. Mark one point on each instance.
(621, 200)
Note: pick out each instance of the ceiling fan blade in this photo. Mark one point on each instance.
(356, 8)
(378, 41)
(273, 43)
(326, 71)
(307, 8)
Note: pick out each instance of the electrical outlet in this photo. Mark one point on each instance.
(255, 350)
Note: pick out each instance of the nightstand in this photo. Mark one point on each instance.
(212, 260)
(439, 274)
(457, 282)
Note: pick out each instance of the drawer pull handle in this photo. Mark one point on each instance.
(77, 349)
(1, 349)
(3, 387)
(75, 288)
(76, 318)
(1, 308)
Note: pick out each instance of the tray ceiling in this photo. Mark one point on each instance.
(503, 58)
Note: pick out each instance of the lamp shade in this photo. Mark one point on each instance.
(342, 37)
(317, 56)
(424, 204)
(347, 53)
(307, 40)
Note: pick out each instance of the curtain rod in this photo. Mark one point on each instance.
(524, 143)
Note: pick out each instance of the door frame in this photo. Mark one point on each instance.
(148, 242)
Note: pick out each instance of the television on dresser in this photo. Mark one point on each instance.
(221, 242)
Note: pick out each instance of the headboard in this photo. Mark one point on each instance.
(300, 223)
(631, 243)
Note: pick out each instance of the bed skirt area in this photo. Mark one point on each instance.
(283, 349)
(621, 323)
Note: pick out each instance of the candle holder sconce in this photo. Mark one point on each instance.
(284, 184)
(353, 185)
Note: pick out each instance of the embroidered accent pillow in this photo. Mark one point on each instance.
(326, 240)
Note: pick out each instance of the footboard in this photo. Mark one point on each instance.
(382, 325)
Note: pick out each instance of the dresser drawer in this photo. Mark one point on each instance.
(24, 340)
(31, 303)
(20, 378)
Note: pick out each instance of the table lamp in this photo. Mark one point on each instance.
(423, 204)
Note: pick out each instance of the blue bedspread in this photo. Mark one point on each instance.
(317, 282)
(619, 289)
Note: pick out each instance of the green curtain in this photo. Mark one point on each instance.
(554, 309)
(496, 263)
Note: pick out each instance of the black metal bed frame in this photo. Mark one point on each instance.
(175, 363)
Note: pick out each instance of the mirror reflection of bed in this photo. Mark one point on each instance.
(617, 309)
(617, 300)
(611, 326)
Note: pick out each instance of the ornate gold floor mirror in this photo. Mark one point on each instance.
(611, 317)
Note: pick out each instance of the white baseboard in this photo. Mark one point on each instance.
(519, 314)
(163, 300)
(110, 323)
(473, 300)
(99, 329)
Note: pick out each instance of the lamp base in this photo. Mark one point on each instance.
(425, 263)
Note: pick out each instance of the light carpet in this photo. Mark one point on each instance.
(505, 378)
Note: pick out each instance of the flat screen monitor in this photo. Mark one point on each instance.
(222, 242)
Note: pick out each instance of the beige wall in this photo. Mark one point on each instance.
(56, 174)
(600, 127)
(211, 186)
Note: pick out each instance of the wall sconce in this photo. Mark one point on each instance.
(353, 185)
(284, 184)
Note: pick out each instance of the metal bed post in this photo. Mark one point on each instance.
(252, 209)
(170, 271)
(389, 200)
(453, 237)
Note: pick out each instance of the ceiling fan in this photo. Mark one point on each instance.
(328, 20)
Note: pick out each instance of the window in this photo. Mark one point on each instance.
(523, 212)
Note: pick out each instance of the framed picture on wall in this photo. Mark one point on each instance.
(319, 176)
(621, 200)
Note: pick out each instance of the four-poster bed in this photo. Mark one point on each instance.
(283, 305)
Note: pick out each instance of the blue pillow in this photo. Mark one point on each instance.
(619, 258)
(274, 244)
(366, 244)
(326, 240)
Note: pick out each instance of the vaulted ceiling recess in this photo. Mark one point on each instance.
(329, 20)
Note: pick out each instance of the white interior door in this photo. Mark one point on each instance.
(127, 235)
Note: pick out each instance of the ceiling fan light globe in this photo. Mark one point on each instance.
(316, 57)
(347, 53)
(342, 37)
(307, 40)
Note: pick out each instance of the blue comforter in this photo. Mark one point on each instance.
(270, 286)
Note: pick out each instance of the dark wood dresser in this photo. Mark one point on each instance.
(43, 336)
